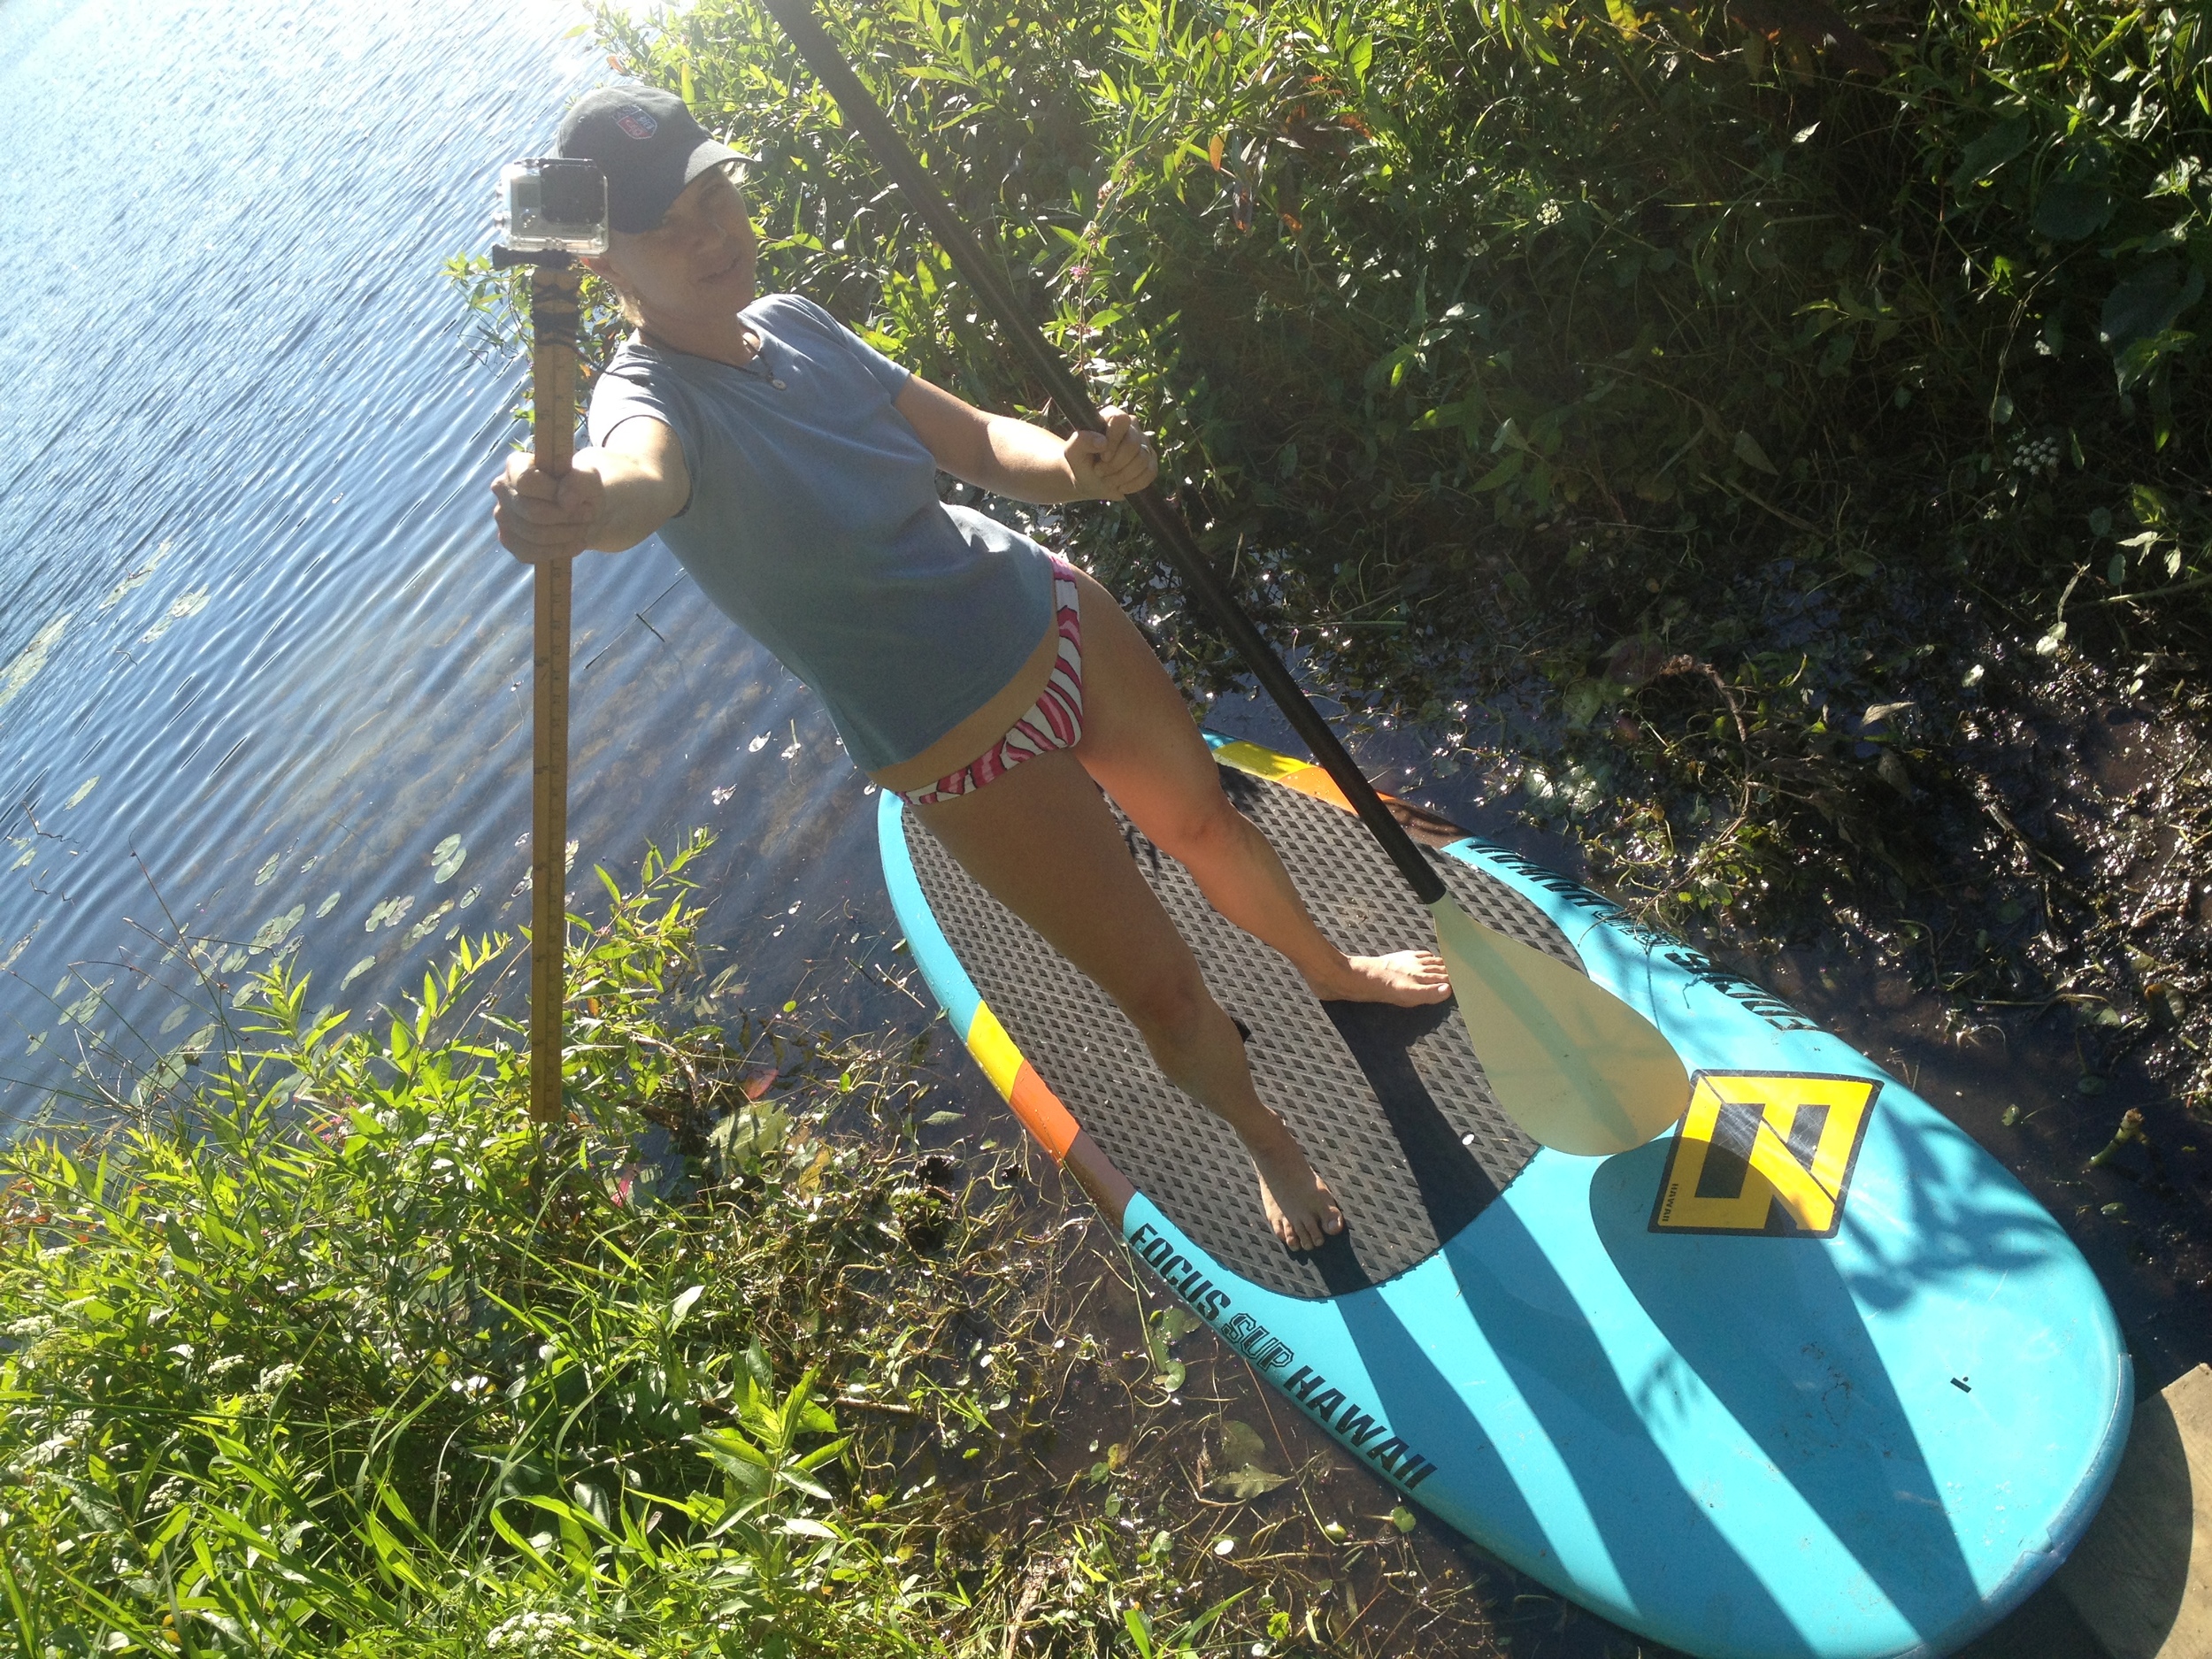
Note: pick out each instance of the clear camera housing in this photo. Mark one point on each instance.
(551, 204)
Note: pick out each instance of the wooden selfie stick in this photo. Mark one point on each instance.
(553, 300)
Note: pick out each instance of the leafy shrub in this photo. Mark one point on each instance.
(1452, 315)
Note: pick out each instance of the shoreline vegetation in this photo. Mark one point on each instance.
(330, 1351)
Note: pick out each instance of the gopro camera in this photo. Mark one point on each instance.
(551, 204)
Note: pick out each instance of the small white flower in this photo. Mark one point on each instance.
(276, 1377)
(529, 1633)
(224, 1366)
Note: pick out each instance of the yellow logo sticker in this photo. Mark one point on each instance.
(1767, 1152)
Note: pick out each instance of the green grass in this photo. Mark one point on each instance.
(329, 1351)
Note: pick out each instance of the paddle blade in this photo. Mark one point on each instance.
(1571, 1063)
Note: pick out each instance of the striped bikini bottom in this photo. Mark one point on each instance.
(1053, 721)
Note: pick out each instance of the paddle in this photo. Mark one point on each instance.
(1574, 1066)
(550, 208)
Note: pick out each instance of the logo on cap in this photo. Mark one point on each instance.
(636, 122)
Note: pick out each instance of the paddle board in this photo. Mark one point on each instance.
(1807, 1375)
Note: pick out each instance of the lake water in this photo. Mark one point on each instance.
(264, 670)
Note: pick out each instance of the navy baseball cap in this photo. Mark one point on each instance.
(647, 143)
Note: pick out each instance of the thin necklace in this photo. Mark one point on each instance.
(755, 365)
(752, 366)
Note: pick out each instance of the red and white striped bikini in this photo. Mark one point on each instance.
(1053, 721)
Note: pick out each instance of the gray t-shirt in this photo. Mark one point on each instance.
(814, 523)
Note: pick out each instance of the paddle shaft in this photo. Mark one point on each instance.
(1167, 524)
(553, 291)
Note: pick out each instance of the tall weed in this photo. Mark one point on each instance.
(345, 1356)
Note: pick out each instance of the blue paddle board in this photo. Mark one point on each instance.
(1810, 1375)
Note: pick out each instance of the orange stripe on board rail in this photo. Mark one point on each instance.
(1042, 1112)
(1035, 1104)
(1314, 781)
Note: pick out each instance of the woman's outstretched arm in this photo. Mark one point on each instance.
(611, 499)
(1025, 463)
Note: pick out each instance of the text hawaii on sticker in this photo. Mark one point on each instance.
(1765, 1152)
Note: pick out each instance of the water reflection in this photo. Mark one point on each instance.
(264, 674)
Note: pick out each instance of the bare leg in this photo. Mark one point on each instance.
(1040, 840)
(1140, 744)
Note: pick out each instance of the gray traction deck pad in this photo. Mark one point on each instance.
(1389, 1104)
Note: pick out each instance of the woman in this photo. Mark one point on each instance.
(792, 468)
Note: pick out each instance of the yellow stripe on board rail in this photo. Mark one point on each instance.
(1042, 1111)
(1302, 775)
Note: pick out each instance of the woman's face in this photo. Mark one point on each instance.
(697, 265)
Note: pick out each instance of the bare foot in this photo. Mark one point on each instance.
(1301, 1210)
(1408, 979)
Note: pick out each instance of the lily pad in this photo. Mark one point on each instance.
(158, 1081)
(446, 858)
(357, 971)
(84, 1008)
(116, 593)
(21, 671)
(271, 931)
(176, 1016)
(184, 605)
(1176, 1323)
(424, 928)
(328, 905)
(83, 789)
(389, 913)
(20, 946)
(267, 872)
